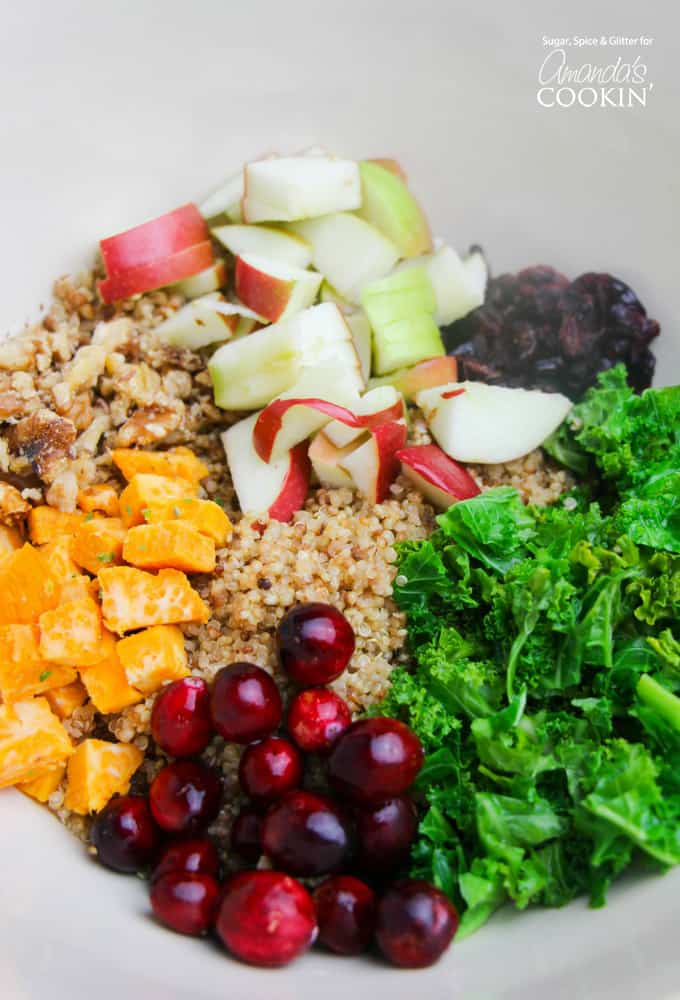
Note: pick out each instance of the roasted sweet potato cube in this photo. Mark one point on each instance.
(146, 490)
(97, 771)
(10, 540)
(106, 682)
(23, 670)
(41, 785)
(31, 738)
(98, 543)
(46, 523)
(65, 700)
(72, 633)
(205, 515)
(101, 498)
(178, 463)
(153, 657)
(133, 599)
(72, 584)
(169, 545)
(27, 587)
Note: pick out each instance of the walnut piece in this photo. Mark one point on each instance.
(45, 440)
(13, 507)
(149, 424)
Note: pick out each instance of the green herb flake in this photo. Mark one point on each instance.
(106, 557)
(89, 516)
(44, 675)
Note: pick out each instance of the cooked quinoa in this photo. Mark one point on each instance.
(88, 378)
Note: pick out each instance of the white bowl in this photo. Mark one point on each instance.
(114, 114)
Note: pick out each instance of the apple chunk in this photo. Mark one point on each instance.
(424, 375)
(358, 323)
(389, 206)
(226, 200)
(459, 285)
(157, 273)
(474, 422)
(348, 251)
(299, 187)
(248, 373)
(378, 405)
(155, 240)
(400, 309)
(441, 480)
(276, 488)
(373, 466)
(327, 461)
(273, 289)
(206, 320)
(210, 280)
(265, 241)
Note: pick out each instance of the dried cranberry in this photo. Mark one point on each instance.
(345, 912)
(415, 924)
(266, 918)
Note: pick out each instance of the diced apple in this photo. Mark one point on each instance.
(477, 271)
(276, 488)
(373, 466)
(265, 241)
(424, 375)
(299, 187)
(153, 241)
(348, 251)
(248, 373)
(273, 289)
(210, 280)
(157, 274)
(474, 422)
(389, 206)
(441, 480)
(329, 294)
(384, 401)
(394, 166)
(458, 285)
(327, 461)
(363, 339)
(226, 200)
(208, 320)
(400, 309)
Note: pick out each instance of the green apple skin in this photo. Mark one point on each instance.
(389, 206)
(400, 309)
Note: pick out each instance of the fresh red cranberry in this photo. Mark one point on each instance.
(269, 769)
(385, 833)
(198, 855)
(124, 834)
(185, 796)
(245, 703)
(345, 913)
(375, 759)
(315, 642)
(246, 835)
(316, 718)
(180, 720)
(185, 901)
(266, 918)
(305, 834)
(415, 924)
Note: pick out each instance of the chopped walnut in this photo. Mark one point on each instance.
(45, 440)
(113, 335)
(63, 493)
(149, 424)
(17, 353)
(13, 507)
(11, 404)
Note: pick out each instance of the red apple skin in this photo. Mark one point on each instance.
(263, 293)
(389, 439)
(295, 486)
(429, 374)
(270, 420)
(154, 240)
(439, 470)
(157, 274)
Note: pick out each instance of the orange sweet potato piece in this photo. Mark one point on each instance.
(65, 700)
(106, 682)
(153, 657)
(169, 545)
(10, 540)
(27, 587)
(72, 584)
(31, 738)
(205, 515)
(23, 669)
(46, 523)
(98, 543)
(133, 599)
(178, 463)
(101, 498)
(72, 633)
(97, 771)
(146, 490)
(42, 783)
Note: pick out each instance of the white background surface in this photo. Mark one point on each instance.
(111, 113)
